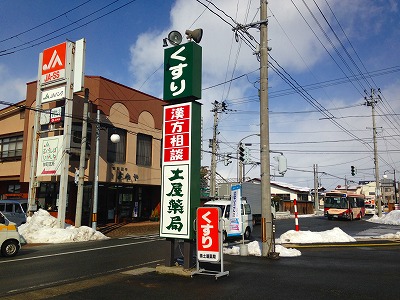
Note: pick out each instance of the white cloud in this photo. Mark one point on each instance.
(11, 89)
(296, 48)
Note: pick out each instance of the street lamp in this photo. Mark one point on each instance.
(115, 138)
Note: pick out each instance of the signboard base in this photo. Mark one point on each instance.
(220, 260)
(211, 273)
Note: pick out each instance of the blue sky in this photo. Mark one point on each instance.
(331, 50)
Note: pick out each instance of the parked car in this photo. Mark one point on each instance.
(14, 210)
(225, 206)
(10, 240)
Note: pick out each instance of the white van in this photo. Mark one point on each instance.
(14, 210)
(225, 206)
(10, 240)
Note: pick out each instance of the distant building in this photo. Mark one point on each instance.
(281, 193)
(129, 171)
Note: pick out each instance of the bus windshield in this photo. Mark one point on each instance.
(335, 202)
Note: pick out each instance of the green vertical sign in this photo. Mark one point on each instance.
(182, 72)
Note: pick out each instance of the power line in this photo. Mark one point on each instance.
(44, 23)
(19, 48)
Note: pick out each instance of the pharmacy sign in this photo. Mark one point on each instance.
(182, 72)
(180, 187)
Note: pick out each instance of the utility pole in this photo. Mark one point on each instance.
(371, 101)
(96, 173)
(395, 186)
(267, 236)
(81, 180)
(268, 243)
(218, 108)
(316, 200)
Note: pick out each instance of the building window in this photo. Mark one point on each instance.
(144, 149)
(11, 148)
(14, 188)
(116, 153)
(76, 134)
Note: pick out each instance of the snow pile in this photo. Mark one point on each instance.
(335, 235)
(254, 248)
(287, 252)
(391, 218)
(42, 228)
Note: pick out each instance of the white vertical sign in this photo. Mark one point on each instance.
(175, 194)
(79, 65)
(235, 214)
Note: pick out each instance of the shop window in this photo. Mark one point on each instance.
(14, 188)
(116, 153)
(144, 149)
(11, 148)
(47, 196)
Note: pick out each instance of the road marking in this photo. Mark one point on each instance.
(154, 236)
(77, 251)
(342, 245)
(47, 290)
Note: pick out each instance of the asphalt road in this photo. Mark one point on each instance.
(125, 268)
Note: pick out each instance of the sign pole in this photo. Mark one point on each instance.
(60, 74)
(180, 180)
(63, 192)
(32, 179)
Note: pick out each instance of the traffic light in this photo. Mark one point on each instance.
(241, 152)
(227, 159)
(353, 171)
(246, 155)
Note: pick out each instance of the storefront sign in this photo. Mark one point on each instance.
(175, 197)
(176, 134)
(54, 63)
(180, 193)
(208, 239)
(53, 94)
(182, 72)
(56, 115)
(49, 156)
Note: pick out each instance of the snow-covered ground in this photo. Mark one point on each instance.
(42, 228)
(335, 235)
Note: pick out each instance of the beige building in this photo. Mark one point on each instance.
(129, 171)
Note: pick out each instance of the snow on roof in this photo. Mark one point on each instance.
(291, 186)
